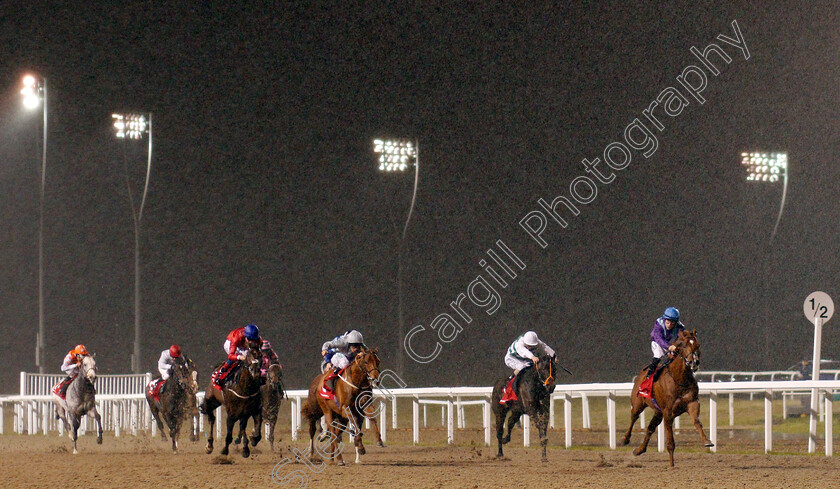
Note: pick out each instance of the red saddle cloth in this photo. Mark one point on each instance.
(57, 388)
(154, 389)
(325, 391)
(646, 387)
(509, 394)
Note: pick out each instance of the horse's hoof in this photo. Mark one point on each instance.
(380, 444)
(224, 451)
(625, 442)
(340, 463)
(98, 440)
(638, 451)
(246, 453)
(75, 452)
(362, 451)
(709, 444)
(544, 459)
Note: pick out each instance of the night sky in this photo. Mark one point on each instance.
(265, 204)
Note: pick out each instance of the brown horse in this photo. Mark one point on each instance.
(271, 393)
(534, 389)
(675, 392)
(344, 409)
(241, 401)
(174, 405)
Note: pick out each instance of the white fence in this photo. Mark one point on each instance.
(128, 412)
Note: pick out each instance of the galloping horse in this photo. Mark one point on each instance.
(272, 393)
(674, 392)
(174, 405)
(344, 408)
(241, 402)
(535, 385)
(80, 399)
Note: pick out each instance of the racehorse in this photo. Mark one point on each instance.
(271, 393)
(241, 401)
(344, 408)
(534, 388)
(174, 405)
(674, 392)
(80, 399)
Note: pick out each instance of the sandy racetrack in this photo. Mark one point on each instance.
(139, 462)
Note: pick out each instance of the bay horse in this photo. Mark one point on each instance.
(174, 405)
(534, 388)
(675, 392)
(241, 401)
(80, 400)
(271, 394)
(344, 408)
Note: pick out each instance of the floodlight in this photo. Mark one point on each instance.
(131, 126)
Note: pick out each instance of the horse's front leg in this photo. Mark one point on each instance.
(542, 429)
(515, 414)
(98, 419)
(256, 435)
(357, 442)
(669, 435)
(231, 421)
(243, 427)
(334, 427)
(211, 418)
(637, 405)
(501, 414)
(654, 422)
(693, 409)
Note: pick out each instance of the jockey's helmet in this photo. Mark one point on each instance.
(252, 332)
(174, 351)
(672, 313)
(531, 339)
(80, 350)
(354, 338)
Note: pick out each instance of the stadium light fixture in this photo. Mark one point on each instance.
(135, 126)
(397, 156)
(770, 168)
(34, 93)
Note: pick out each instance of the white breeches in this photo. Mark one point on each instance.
(515, 363)
(658, 351)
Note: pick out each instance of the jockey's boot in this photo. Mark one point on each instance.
(652, 367)
(223, 372)
(64, 385)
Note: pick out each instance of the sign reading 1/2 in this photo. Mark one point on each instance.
(818, 305)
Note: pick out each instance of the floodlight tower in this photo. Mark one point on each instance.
(34, 93)
(135, 126)
(398, 156)
(767, 168)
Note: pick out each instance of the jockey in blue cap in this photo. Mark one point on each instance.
(236, 346)
(664, 333)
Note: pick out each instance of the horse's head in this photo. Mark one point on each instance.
(368, 362)
(253, 361)
(88, 368)
(689, 349)
(547, 371)
(180, 371)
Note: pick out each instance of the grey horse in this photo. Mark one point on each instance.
(80, 400)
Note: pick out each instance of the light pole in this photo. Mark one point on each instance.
(134, 126)
(35, 92)
(399, 155)
(767, 168)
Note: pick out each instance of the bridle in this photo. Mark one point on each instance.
(550, 377)
(362, 361)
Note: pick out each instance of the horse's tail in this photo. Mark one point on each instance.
(310, 409)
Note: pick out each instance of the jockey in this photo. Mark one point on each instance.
(341, 350)
(236, 346)
(665, 331)
(525, 350)
(70, 366)
(168, 358)
(269, 357)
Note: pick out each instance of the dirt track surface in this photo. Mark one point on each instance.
(46, 462)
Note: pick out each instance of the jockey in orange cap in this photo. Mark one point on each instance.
(70, 366)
